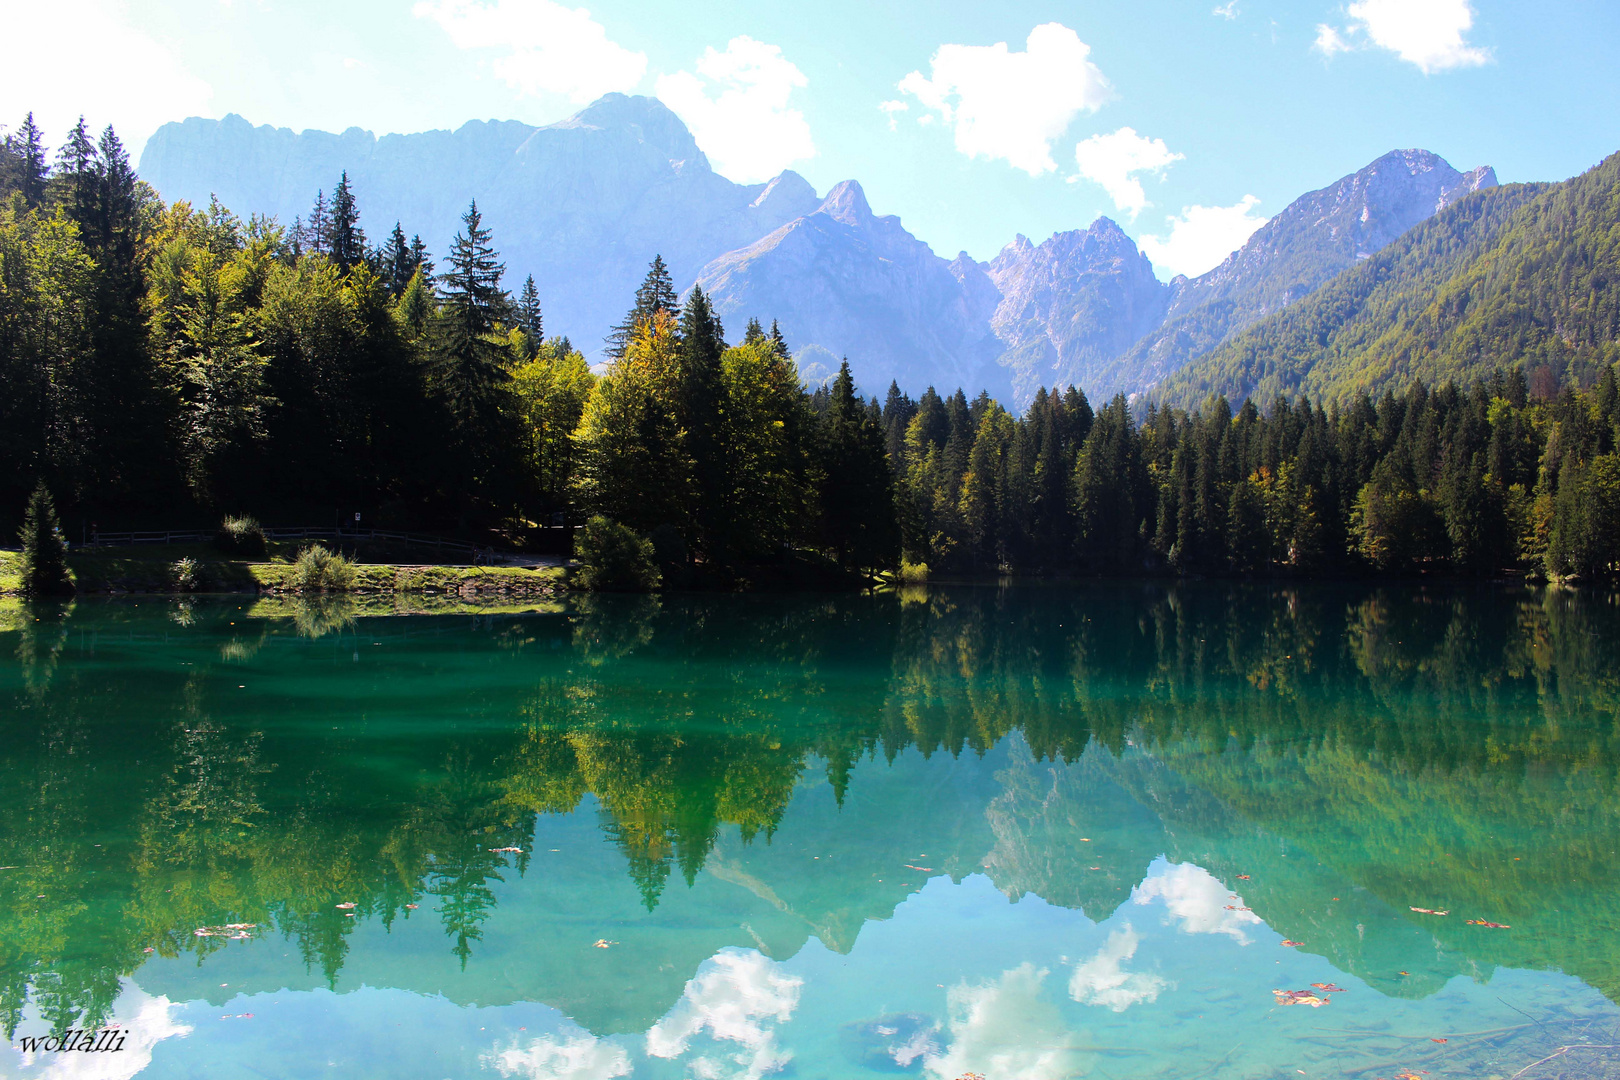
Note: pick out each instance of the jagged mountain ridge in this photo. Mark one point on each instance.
(585, 203)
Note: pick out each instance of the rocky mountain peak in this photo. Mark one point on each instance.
(846, 202)
(646, 119)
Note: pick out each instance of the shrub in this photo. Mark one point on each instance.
(913, 573)
(615, 558)
(241, 536)
(44, 552)
(184, 574)
(321, 570)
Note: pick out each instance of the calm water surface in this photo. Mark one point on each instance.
(1024, 832)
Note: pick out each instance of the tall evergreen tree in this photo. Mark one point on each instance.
(77, 168)
(656, 293)
(346, 242)
(317, 230)
(422, 263)
(857, 488)
(28, 144)
(44, 551)
(702, 343)
(397, 264)
(528, 311)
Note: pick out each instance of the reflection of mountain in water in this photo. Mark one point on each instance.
(771, 769)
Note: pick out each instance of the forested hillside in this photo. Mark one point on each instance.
(1525, 277)
(161, 365)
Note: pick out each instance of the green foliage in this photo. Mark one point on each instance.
(240, 535)
(614, 558)
(44, 551)
(319, 569)
(184, 574)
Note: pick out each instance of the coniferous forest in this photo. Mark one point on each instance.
(164, 364)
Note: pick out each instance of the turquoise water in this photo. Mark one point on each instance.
(1023, 832)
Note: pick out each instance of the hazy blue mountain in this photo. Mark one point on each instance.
(844, 281)
(583, 204)
(1069, 306)
(1317, 237)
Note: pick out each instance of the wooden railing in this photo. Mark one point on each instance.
(170, 536)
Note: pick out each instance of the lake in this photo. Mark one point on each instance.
(1028, 832)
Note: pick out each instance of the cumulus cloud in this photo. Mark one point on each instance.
(1103, 980)
(1202, 236)
(1431, 34)
(731, 1000)
(1113, 160)
(546, 47)
(1006, 1028)
(1011, 105)
(1195, 898)
(737, 107)
(581, 1057)
(119, 75)
(145, 1021)
(893, 109)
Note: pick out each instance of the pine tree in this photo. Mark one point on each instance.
(317, 230)
(656, 293)
(396, 262)
(469, 363)
(528, 311)
(859, 519)
(754, 333)
(422, 263)
(345, 241)
(29, 146)
(76, 168)
(778, 342)
(702, 343)
(44, 552)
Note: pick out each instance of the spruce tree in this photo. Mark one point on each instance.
(778, 342)
(859, 518)
(754, 333)
(702, 343)
(528, 311)
(421, 263)
(44, 551)
(76, 169)
(396, 262)
(316, 229)
(29, 146)
(656, 293)
(469, 362)
(346, 243)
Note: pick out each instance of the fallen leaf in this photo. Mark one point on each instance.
(1403, 973)
(1291, 944)
(148, 949)
(1437, 1040)
(1299, 997)
(507, 850)
(410, 907)
(1492, 925)
(1243, 877)
(347, 905)
(1429, 911)
(1332, 988)
(924, 869)
(604, 943)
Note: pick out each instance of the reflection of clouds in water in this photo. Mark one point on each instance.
(1193, 895)
(583, 1057)
(740, 989)
(147, 1021)
(1005, 1029)
(1103, 980)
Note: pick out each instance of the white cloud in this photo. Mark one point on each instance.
(1103, 980)
(1195, 897)
(1228, 10)
(145, 1021)
(730, 1000)
(1202, 236)
(1329, 42)
(893, 109)
(1006, 1028)
(1111, 160)
(582, 1057)
(1012, 105)
(1431, 34)
(119, 75)
(548, 48)
(747, 129)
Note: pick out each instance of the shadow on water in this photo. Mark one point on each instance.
(171, 766)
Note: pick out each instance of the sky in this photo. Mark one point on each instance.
(1189, 123)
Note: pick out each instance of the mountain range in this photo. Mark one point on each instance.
(586, 203)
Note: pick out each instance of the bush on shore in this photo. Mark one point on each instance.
(320, 569)
(241, 536)
(615, 558)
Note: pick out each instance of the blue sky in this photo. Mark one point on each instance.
(1187, 122)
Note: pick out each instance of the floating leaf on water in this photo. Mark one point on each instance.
(507, 850)
(604, 943)
(1332, 988)
(347, 905)
(1438, 1040)
(1291, 944)
(1491, 925)
(1243, 877)
(1299, 997)
(1429, 911)
(924, 869)
(148, 949)
(410, 907)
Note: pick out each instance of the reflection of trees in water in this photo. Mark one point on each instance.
(1370, 727)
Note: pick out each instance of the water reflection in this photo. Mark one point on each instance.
(657, 803)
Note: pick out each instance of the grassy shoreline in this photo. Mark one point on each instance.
(119, 571)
